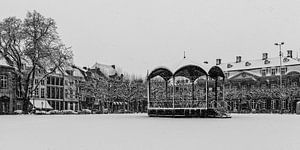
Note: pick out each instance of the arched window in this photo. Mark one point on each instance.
(3, 81)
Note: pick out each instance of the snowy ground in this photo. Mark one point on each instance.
(139, 132)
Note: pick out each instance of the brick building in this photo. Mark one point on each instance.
(7, 88)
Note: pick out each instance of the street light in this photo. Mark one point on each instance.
(280, 54)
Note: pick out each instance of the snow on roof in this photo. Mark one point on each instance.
(258, 63)
(107, 70)
(77, 73)
(3, 62)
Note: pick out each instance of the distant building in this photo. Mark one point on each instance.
(58, 91)
(246, 78)
(7, 88)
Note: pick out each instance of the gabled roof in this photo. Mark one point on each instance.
(258, 63)
(245, 74)
(3, 63)
(107, 70)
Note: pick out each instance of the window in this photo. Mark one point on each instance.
(57, 93)
(71, 93)
(263, 72)
(42, 82)
(277, 70)
(273, 72)
(36, 93)
(273, 104)
(3, 81)
(283, 70)
(283, 105)
(42, 92)
(66, 92)
(61, 93)
(48, 92)
(52, 80)
(48, 80)
(268, 70)
(52, 92)
(61, 81)
(36, 81)
(57, 81)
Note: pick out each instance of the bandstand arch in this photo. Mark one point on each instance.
(215, 72)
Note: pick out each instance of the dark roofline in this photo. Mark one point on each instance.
(259, 68)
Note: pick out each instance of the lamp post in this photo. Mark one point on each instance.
(279, 44)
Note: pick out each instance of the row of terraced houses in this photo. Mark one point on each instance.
(58, 91)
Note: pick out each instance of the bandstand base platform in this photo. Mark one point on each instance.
(187, 113)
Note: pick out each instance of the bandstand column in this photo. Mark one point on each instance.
(216, 92)
(193, 89)
(166, 90)
(148, 92)
(206, 91)
(174, 92)
(223, 89)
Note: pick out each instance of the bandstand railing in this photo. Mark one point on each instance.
(178, 104)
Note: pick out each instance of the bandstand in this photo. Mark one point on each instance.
(183, 91)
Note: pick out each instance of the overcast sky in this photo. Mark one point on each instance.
(138, 35)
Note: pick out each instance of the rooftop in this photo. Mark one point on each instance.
(258, 63)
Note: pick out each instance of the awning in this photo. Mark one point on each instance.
(40, 104)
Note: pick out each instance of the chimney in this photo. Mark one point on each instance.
(290, 53)
(218, 61)
(264, 56)
(238, 59)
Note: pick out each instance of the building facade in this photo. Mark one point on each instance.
(261, 85)
(7, 88)
(58, 91)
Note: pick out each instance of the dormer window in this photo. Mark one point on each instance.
(229, 65)
(267, 61)
(247, 63)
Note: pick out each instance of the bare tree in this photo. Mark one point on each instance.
(35, 43)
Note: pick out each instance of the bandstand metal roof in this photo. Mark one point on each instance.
(163, 72)
(216, 71)
(189, 69)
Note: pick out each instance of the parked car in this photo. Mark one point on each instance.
(105, 111)
(52, 112)
(69, 112)
(40, 112)
(85, 111)
(18, 112)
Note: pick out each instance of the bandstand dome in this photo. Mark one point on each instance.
(189, 69)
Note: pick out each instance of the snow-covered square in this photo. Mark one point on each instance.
(140, 132)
